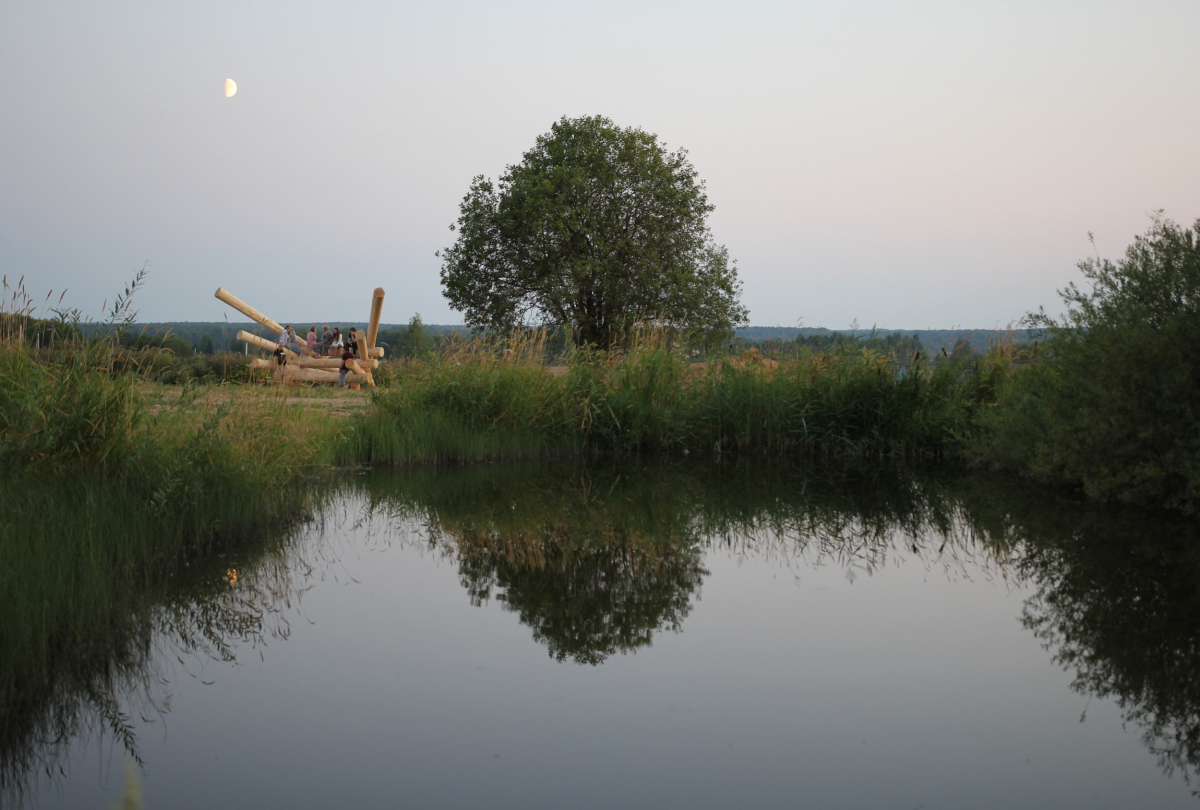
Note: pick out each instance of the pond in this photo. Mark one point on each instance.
(653, 635)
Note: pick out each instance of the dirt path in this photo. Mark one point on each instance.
(338, 404)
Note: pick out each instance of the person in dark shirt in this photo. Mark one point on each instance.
(347, 356)
(352, 341)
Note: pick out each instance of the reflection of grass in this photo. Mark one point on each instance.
(105, 501)
(131, 796)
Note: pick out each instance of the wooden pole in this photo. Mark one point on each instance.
(294, 374)
(247, 310)
(329, 362)
(372, 330)
(263, 343)
(373, 323)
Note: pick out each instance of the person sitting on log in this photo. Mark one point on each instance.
(347, 357)
(312, 339)
(352, 341)
(287, 339)
(335, 341)
(326, 340)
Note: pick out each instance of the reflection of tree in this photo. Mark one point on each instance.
(596, 559)
(585, 602)
(1117, 593)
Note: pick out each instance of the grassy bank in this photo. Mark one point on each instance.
(1105, 401)
(491, 401)
(106, 500)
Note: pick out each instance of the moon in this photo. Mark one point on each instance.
(230, 88)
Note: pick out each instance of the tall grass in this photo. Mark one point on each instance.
(494, 400)
(105, 500)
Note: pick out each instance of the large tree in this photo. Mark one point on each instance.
(598, 228)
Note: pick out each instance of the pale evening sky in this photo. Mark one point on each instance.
(909, 165)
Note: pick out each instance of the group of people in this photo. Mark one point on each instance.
(330, 344)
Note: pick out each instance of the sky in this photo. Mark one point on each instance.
(906, 165)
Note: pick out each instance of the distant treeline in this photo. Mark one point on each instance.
(416, 336)
(207, 337)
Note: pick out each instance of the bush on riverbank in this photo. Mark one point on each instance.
(1113, 405)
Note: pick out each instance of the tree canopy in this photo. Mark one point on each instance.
(598, 228)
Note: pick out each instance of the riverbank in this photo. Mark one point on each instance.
(107, 499)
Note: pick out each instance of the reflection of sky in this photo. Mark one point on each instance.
(786, 687)
(912, 165)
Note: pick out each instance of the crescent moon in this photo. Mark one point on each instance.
(230, 88)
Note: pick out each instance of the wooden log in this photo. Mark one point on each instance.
(328, 362)
(375, 352)
(293, 374)
(373, 323)
(256, 316)
(372, 329)
(247, 310)
(259, 362)
(263, 343)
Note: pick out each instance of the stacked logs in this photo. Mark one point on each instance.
(306, 367)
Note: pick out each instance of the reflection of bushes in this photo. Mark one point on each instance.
(569, 548)
(1122, 610)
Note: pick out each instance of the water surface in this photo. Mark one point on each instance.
(656, 635)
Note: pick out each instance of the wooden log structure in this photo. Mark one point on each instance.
(293, 374)
(263, 343)
(330, 362)
(321, 363)
(253, 314)
(295, 359)
(310, 368)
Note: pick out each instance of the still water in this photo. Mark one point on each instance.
(662, 636)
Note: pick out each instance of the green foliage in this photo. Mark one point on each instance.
(202, 368)
(67, 415)
(413, 340)
(597, 228)
(1113, 406)
(853, 405)
(166, 342)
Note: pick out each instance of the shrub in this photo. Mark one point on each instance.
(1114, 404)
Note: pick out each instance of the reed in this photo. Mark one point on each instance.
(491, 400)
(106, 500)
